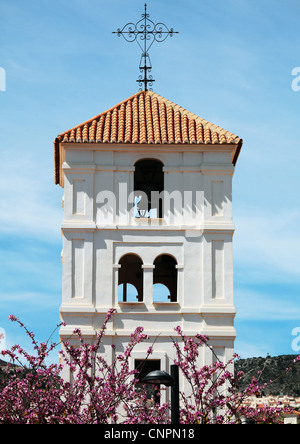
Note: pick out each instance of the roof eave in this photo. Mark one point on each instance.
(237, 152)
(56, 161)
(57, 154)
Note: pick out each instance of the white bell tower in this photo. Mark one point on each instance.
(147, 226)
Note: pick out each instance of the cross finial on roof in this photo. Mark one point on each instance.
(145, 32)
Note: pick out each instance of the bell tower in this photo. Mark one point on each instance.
(147, 226)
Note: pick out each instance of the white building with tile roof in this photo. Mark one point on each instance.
(148, 227)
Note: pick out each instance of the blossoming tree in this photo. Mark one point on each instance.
(101, 393)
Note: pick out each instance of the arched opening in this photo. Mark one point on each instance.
(130, 280)
(165, 274)
(148, 178)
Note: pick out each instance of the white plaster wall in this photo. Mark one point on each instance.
(94, 240)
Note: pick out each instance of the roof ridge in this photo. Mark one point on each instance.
(160, 98)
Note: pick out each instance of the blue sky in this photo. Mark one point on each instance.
(231, 63)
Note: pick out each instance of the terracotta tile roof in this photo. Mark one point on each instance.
(147, 118)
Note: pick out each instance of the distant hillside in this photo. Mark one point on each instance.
(286, 383)
(4, 364)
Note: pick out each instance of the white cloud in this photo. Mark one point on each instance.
(267, 246)
(30, 204)
(30, 300)
(259, 305)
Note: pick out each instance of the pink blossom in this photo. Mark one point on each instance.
(35, 393)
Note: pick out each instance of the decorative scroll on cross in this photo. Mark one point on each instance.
(145, 32)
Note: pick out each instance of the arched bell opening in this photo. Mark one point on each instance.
(130, 279)
(148, 178)
(165, 274)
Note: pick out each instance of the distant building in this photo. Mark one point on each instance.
(292, 418)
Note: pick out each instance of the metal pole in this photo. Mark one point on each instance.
(158, 31)
(145, 48)
(175, 395)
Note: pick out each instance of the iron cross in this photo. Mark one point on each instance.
(145, 32)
